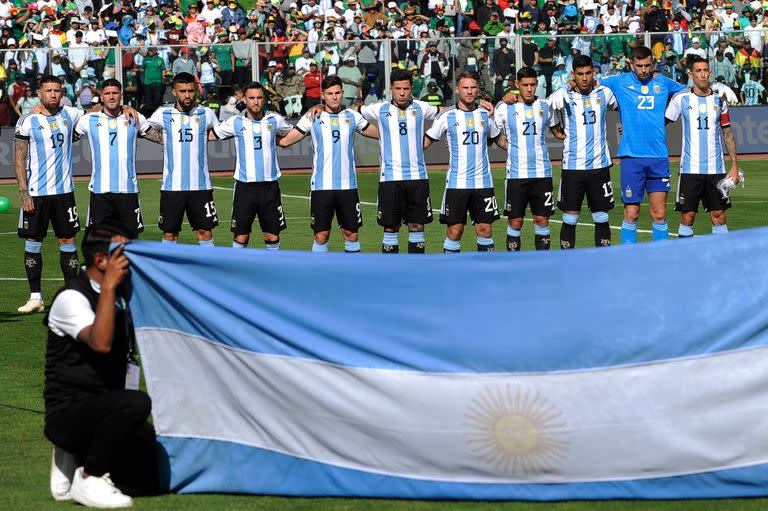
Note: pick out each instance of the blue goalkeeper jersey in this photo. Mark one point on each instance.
(642, 107)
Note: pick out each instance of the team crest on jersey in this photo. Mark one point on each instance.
(269, 127)
(702, 108)
(53, 125)
(126, 123)
(65, 123)
(413, 113)
(598, 101)
(334, 122)
(401, 113)
(196, 120)
(184, 119)
(470, 123)
(587, 103)
(346, 121)
(715, 108)
(656, 89)
(529, 113)
(112, 123)
(482, 124)
(644, 89)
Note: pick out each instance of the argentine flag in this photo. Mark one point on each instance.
(632, 372)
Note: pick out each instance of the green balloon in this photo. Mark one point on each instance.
(5, 204)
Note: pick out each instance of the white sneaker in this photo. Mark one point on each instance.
(62, 471)
(32, 305)
(97, 492)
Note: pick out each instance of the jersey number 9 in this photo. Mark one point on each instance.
(336, 135)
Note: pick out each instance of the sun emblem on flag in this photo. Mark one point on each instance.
(516, 431)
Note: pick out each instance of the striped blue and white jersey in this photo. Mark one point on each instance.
(586, 137)
(401, 138)
(49, 163)
(333, 141)
(113, 151)
(703, 120)
(256, 145)
(185, 144)
(526, 129)
(467, 135)
(753, 91)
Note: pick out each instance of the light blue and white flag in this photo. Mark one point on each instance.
(634, 372)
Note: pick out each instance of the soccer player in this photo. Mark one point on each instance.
(702, 166)
(183, 129)
(112, 137)
(403, 196)
(333, 187)
(257, 191)
(469, 186)
(529, 171)
(586, 156)
(642, 99)
(43, 166)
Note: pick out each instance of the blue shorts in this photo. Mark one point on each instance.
(639, 175)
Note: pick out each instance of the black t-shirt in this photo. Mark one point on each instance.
(529, 52)
(73, 369)
(547, 53)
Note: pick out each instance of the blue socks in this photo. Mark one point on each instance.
(272, 245)
(416, 242)
(172, 242)
(485, 244)
(205, 243)
(660, 231)
(720, 229)
(33, 247)
(628, 233)
(451, 246)
(685, 231)
(235, 244)
(352, 247)
(319, 248)
(390, 243)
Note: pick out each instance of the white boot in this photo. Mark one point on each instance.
(62, 471)
(97, 492)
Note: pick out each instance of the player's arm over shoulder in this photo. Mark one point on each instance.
(298, 132)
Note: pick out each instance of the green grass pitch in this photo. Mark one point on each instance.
(25, 454)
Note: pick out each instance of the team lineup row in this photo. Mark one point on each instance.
(575, 114)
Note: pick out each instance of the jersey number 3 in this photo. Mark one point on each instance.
(646, 102)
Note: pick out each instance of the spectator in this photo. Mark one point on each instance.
(504, 67)
(434, 66)
(352, 80)
(312, 81)
(26, 102)
(207, 68)
(724, 68)
(184, 64)
(290, 91)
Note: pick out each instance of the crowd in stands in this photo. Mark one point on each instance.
(301, 41)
